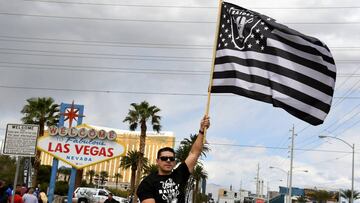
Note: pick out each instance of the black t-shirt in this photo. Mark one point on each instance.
(165, 188)
(111, 201)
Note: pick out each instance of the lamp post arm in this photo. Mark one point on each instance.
(348, 144)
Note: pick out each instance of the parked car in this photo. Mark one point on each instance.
(94, 195)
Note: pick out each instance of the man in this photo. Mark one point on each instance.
(110, 199)
(3, 194)
(29, 197)
(17, 197)
(168, 185)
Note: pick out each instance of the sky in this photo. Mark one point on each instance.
(108, 54)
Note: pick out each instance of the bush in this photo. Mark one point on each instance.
(120, 193)
(61, 188)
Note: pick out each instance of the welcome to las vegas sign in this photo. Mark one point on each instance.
(80, 147)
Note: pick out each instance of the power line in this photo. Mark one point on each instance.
(108, 42)
(282, 148)
(121, 56)
(109, 57)
(137, 45)
(160, 72)
(181, 6)
(98, 68)
(104, 69)
(105, 54)
(162, 21)
(122, 44)
(125, 5)
(128, 45)
(118, 91)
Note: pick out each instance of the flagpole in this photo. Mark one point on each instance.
(212, 62)
(213, 57)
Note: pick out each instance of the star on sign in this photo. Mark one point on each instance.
(258, 30)
(249, 45)
(257, 41)
(266, 28)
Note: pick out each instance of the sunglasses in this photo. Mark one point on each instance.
(166, 158)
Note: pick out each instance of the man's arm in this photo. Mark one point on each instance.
(196, 148)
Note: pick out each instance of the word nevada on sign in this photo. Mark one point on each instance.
(80, 147)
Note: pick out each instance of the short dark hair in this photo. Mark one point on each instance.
(165, 149)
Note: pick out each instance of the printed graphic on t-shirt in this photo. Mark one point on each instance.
(169, 191)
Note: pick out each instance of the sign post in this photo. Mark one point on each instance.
(20, 140)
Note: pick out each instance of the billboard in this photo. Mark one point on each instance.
(81, 147)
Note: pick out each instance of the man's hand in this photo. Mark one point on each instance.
(205, 124)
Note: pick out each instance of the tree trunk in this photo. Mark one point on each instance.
(78, 179)
(195, 191)
(132, 181)
(140, 161)
(37, 157)
(36, 169)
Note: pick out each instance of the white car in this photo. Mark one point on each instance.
(94, 195)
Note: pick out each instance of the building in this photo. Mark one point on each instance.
(130, 141)
(230, 196)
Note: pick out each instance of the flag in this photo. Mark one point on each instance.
(270, 62)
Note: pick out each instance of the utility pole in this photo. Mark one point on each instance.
(257, 181)
(291, 163)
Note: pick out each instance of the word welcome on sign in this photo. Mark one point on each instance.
(82, 132)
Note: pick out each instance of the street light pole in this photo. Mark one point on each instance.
(353, 165)
(352, 174)
(287, 179)
(291, 163)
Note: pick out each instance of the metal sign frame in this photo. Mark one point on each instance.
(22, 136)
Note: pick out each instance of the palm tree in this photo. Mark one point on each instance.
(148, 169)
(185, 146)
(321, 196)
(198, 174)
(103, 177)
(117, 176)
(347, 194)
(65, 172)
(40, 111)
(140, 114)
(130, 161)
(91, 173)
(301, 199)
(183, 151)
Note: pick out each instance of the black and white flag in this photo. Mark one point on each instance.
(264, 60)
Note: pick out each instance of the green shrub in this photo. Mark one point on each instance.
(61, 188)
